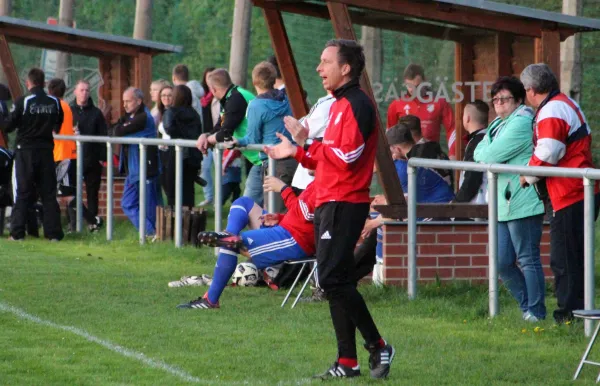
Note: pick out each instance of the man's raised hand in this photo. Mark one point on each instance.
(285, 149)
(295, 128)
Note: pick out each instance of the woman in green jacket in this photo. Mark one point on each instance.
(520, 211)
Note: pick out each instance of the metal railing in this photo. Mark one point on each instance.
(143, 143)
(588, 175)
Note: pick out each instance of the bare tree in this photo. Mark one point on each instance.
(371, 41)
(570, 55)
(240, 42)
(65, 18)
(142, 28)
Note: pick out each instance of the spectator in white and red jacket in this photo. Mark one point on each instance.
(561, 138)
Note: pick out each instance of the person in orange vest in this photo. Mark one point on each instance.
(422, 102)
(65, 157)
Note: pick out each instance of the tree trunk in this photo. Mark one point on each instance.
(5, 10)
(570, 55)
(143, 20)
(65, 19)
(240, 42)
(371, 41)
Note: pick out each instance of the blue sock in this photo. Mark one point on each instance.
(226, 263)
(238, 215)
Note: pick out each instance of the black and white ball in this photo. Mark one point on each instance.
(245, 275)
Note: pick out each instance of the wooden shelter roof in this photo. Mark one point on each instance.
(445, 19)
(78, 41)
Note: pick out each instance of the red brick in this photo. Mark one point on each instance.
(482, 261)
(435, 229)
(545, 259)
(427, 261)
(546, 237)
(545, 249)
(472, 228)
(393, 238)
(471, 249)
(395, 250)
(426, 238)
(426, 273)
(479, 237)
(395, 273)
(396, 228)
(435, 250)
(454, 261)
(453, 238)
(548, 272)
(393, 261)
(460, 273)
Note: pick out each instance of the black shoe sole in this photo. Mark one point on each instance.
(213, 241)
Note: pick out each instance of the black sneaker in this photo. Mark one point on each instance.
(201, 303)
(339, 371)
(96, 227)
(220, 239)
(380, 360)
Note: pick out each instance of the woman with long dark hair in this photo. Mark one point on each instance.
(181, 121)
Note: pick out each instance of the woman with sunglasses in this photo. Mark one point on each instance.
(509, 140)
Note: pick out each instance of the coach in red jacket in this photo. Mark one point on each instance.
(344, 163)
(562, 138)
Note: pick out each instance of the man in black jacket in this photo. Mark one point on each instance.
(36, 116)
(89, 120)
(472, 186)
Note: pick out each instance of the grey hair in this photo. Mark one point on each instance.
(540, 78)
(137, 93)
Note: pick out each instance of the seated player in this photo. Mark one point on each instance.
(272, 238)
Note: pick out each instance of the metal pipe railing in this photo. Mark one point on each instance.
(412, 232)
(79, 195)
(492, 179)
(178, 195)
(142, 190)
(588, 175)
(143, 143)
(109, 191)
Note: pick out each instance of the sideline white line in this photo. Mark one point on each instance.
(111, 346)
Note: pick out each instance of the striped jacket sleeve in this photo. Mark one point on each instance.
(356, 126)
(551, 132)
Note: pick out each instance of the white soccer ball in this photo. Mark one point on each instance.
(245, 275)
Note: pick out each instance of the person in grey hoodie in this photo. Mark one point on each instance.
(265, 119)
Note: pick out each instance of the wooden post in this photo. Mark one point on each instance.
(547, 50)
(285, 58)
(10, 71)
(143, 75)
(340, 17)
(142, 28)
(8, 65)
(240, 42)
(463, 72)
(504, 54)
(570, 55)
(119, 77)
(104, 91)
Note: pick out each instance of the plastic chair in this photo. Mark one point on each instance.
(304, 263)
(591, 315)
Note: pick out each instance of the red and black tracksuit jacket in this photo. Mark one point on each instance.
(344, 159)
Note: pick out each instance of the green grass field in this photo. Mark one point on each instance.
(87, 312)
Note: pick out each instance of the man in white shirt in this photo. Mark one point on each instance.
(316, 121)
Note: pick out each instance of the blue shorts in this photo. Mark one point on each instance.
(379, 248)
(271, 246)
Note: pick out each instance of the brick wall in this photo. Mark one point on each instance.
(444, 251)
(118, 186)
